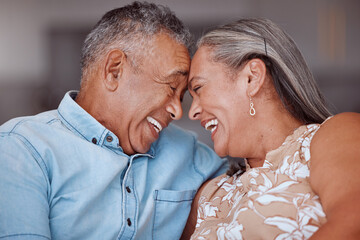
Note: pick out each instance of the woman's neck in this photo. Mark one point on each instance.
(273, 130)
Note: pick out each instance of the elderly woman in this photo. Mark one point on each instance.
(253, 90)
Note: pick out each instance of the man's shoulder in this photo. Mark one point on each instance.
(17, 125)
(176, 136)
(184, 148)
(176, 132)
(178, 141)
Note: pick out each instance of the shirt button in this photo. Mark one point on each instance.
(94, 141)
(128, 189)
(109, 138)
(129, 222)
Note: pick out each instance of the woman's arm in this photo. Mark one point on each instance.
(192, 219)
(335, 176)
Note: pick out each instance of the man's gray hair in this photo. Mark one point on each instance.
(236, 43)
(130, 28)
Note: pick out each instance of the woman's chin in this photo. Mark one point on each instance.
(220, 151)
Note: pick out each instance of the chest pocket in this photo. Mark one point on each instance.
(172, 209)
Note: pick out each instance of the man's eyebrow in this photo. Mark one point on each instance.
(175, 73)
(179, 72)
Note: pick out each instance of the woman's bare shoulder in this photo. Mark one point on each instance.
(335, 154)
(339, 127)
(342, 120)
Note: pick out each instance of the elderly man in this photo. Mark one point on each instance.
(106, 164)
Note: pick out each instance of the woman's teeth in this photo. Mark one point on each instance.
(213, 129)
(211, 125)
(156, 124)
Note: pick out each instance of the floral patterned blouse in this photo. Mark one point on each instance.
(274, 201)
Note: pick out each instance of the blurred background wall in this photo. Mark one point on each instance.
(40, 42)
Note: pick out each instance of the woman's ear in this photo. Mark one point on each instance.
(256, 71)
(113, 68)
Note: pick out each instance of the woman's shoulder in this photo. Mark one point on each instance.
(335, 161)
(336, 144)
(339, 126)
(343, 118)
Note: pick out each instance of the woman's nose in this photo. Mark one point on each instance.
(195, 110)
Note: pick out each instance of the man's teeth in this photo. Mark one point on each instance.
(157, 125)
(211, 125)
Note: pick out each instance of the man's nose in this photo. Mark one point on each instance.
(175, 109)
(195, 110)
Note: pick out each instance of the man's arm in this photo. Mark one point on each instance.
(24, 208)
(334, 176)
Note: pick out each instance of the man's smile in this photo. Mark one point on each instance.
(156, 124)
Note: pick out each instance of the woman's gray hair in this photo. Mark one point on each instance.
(130, 28)
(236, 43)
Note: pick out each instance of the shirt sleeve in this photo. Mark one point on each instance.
(24, 208)
(208, 163)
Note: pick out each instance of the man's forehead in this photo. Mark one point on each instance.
(166, 59)
(171, 72)
(172, 77)
(178, 73)
(178, 66)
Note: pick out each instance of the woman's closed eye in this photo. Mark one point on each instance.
(196, 88)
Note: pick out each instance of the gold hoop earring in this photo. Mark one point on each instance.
(252, 109)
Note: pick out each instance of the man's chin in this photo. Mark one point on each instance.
(142, 143)
(143, 148)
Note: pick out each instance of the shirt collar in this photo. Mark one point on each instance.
(83, 124)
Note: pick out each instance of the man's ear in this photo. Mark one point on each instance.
(113, 70)
(256, 72)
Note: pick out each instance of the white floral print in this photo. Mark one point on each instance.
(274, 201)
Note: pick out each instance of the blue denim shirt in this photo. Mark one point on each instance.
(64, 176)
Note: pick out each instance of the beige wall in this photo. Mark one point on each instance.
(40, 41)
